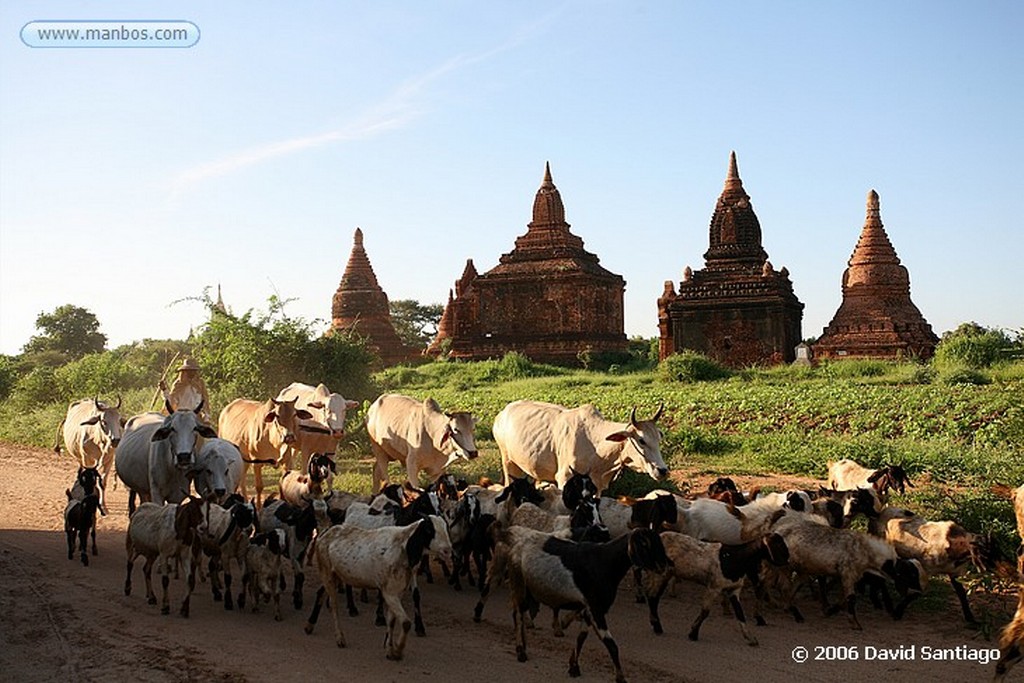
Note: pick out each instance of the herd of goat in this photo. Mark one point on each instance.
(568, 549)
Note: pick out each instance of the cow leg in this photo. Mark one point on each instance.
(71, 543)
(380, 467)
(258, 476)
(244, 483)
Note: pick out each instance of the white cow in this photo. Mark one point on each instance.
(157, 455)
(418, 435)
(92, 430)
(549, 442)
(322, 433)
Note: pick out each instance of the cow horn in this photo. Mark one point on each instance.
(167, 405)
(632, 417)
(118, 406)
(199, 407)
(661, 409)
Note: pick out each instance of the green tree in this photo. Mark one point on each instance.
(257, 354)
(415, 323)
(70, 330)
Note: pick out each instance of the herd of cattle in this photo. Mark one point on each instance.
(548, 532)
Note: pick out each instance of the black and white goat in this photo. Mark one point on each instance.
(584, 577)
(298, 488)
(224, 537)
(385, 559)
(299, 524)
(164, 533)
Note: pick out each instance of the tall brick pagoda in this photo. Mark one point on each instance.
(738, 309)
(548, 298)
(361, 306)
(877, 319)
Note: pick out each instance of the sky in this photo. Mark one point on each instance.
(133, 179)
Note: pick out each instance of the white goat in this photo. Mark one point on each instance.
(164, 532)
(384, 559)
(708, 519)
(845, 475)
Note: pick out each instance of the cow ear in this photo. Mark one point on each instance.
(316, 404)
(270, 417)
(446, 435)
(91, 421)
(161, 434)
(617, 436)
(206, 431)
(304, 414)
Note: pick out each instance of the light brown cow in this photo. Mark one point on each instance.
(92, 429)
(329, 409)
(263, 433)
(418, 435)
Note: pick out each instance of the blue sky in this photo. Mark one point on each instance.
(132, 178)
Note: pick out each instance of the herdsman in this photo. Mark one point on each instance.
(188, 390)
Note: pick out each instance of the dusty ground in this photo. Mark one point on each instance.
(62, 621)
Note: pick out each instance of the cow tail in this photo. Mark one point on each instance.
(56, 440)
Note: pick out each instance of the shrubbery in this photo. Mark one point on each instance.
(690, 366)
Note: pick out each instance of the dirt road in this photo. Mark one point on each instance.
(62, 621)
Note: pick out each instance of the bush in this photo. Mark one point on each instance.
(36, 388)
(690, 366)
(973, 346)
(98, 374)
(8, 376)
(962, 375)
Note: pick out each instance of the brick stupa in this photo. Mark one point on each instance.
(548, 298)
(738, 310)
(877, 319)
(360, 306)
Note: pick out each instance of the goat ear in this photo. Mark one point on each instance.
(349, 404)
(877, 474)
(503, 495)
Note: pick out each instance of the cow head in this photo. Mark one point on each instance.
(211, 474)
(457, 437)
(284, 417)
(641, 445)
(182, 430)
(106, 424)
(330, 409)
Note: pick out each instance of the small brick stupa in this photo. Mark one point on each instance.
(548, 298)
(361, 306)
(877, 319)
(738, 310)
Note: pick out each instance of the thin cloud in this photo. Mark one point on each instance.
(394, 111)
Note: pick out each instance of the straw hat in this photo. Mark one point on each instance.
(189, 364)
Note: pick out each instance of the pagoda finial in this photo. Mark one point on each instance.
(358, 237)
(873, 204)
(732, 178)
(548, 182)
